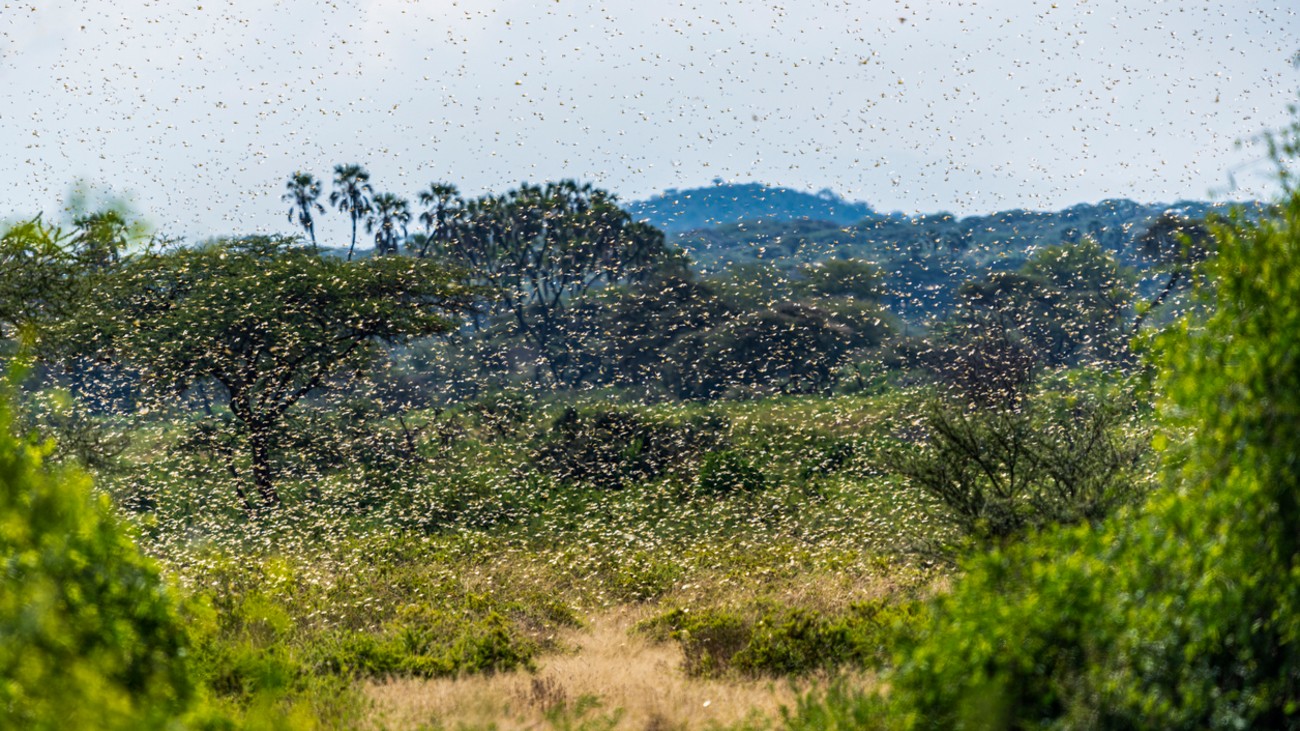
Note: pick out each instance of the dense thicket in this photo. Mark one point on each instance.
(90, 636)
(1182, 614)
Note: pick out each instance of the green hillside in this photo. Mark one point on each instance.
(721, 204)
(924, 257)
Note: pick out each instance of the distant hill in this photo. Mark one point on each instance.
(924, 257)
(1000, 240)
(675, 211)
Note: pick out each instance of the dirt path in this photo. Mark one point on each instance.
(611, 674)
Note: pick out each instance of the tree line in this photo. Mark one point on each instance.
(550, 286)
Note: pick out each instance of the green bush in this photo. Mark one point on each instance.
(89, 635)
(1186, 613)
(728, 471)
(610, 448)
(709, 639)
(1003, 470)
(78, 436)
(777, 640)
(841, 707)
(430, 644)
(827, 457)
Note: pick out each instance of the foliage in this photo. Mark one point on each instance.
(303, 196)
(74, 433)
(42, 266)
(924, 258)
(627, 331)
(272, 628)
(265, 320)
(841, 707)
(1015, 467)
(851, 278)
(771, 639)
(1182, 614)
(726, 471)
(538, 249)
(429, 643)
(36, 269)
(90, 637)
(611, 448)
(789, 348)
(1065, 306)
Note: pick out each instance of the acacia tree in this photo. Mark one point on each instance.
(1063, 307)
(540, 248)
(303, 196)
(264, 320)
(351, 195)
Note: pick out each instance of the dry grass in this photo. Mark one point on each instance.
(639, 682)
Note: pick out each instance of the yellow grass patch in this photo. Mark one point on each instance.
(638, 682)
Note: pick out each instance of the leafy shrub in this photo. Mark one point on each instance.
(610, 448)
(266, 636)
(503, 414)
(1004, 470)
(89, 636)
(76, 434)
(428, 643)
(246, 670)
(796, 641)
(266, 682)
(708, 639)
(1183, 615)
(841, 707)
(728, 471)
(827, 458)
(777, 640)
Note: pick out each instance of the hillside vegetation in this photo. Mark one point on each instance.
(723, 204)
(1026, 471)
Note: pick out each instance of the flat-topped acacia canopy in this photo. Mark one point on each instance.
(263, 317)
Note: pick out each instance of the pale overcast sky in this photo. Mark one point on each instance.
(200, 109)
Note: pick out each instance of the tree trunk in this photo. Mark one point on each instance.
(354, 237)
(259, 444)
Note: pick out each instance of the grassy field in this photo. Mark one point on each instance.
(470, 587)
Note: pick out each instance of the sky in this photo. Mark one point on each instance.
(197, 111)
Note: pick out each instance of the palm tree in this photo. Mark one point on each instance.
(387, 214)
(440, 201)
(351, 195)
(303, 197)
